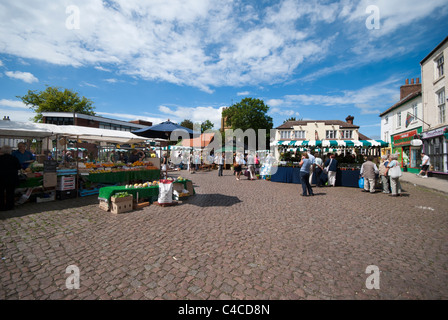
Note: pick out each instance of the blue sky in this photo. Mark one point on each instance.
(186, 59)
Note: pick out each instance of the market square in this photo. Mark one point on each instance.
(205, 152)
(231, 240)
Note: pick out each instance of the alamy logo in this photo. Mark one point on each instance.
(72, 21)
(373, 281)
(373, 20)
(72, 281)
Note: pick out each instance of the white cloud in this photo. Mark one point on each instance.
(195, 114)
(284, 112)
(13, 104)
(130, 117)
(87, 84)
(275, 102)
(370, 99)
(17, 115)
(195, 43)
(1, 63)
(244, 93)
(24, 76)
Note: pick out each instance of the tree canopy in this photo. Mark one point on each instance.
(249, 113)
(55, 99)
(206, 125)
(187, 124)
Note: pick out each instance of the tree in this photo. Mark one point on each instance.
(290, 119)
(249, 113)
(206, 125)
(187, 124)
(55, 99)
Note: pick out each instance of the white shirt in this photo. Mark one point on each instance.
(425, 160)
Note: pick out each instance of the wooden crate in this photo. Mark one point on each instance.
(104, 205)
(122, 205)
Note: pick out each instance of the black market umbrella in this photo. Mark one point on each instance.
(162, 130)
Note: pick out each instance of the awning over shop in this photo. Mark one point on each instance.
(334, 143)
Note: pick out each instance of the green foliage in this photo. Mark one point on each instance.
(187, 124)
(55, 99)
(206, 125)
(248, 113)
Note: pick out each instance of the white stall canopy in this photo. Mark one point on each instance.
(17, 129)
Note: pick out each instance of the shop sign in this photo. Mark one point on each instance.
(404, 139)
(432, 133)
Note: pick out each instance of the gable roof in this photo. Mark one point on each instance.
(342, 124)
(434, 50)
(408, 98)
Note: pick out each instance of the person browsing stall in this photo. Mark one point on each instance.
(305, 168)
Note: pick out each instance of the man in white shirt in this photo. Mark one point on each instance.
(425, 166)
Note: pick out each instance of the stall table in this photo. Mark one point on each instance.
(344, 178)
(150, 193)
(124, 176)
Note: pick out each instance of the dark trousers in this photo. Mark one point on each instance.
(7, 197)
(221, 166)
(306, 187)
(318, 173)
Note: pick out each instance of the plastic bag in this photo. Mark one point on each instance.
(361, 183)
(165, 192)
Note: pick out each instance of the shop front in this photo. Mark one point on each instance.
(408, 155)
(435, 146)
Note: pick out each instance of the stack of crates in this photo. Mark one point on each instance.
(66, 187)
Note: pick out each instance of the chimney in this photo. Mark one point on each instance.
(407, 89)
(349, 119)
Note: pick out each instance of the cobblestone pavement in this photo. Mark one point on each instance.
(232, 240)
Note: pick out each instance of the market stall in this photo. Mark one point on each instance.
(349, 153)
(63, 179)
(345, 177)
(144, 193)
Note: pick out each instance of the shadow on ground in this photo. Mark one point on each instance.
(213, 200)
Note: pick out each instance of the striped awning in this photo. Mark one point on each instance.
(334, 143)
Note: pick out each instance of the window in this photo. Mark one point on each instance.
(441, 105)
(331, 134)
(398, 119)
(386, 119)
(285, 134)
(439, 67)
(298, 134)
(386, 136)
(346, 134)
(415, 111)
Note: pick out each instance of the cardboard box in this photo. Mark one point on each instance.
(51, 196)
(122, 206)
(50, 179)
